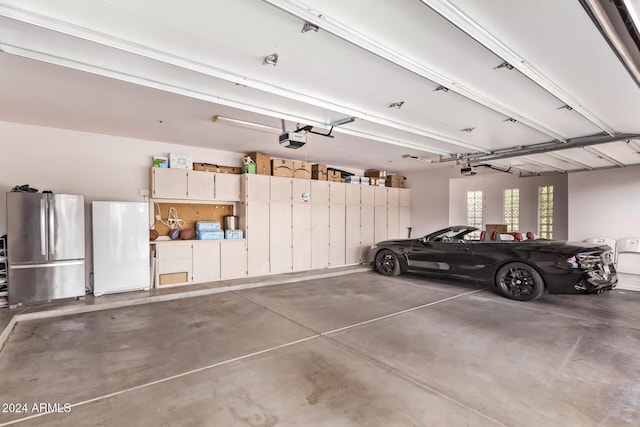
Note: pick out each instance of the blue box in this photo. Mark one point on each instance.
(208, 226)
(210, 235)
(233, 234)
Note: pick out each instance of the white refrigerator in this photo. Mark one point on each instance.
(120, 247)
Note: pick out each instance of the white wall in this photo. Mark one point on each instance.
(604, 203)
(430, 198)
(492, 186)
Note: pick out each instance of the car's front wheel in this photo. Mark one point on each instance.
(387, 263)
(519, 281)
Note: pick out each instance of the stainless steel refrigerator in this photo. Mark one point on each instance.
(45, 247)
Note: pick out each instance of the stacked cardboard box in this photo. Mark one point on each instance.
(282, 167)
(319, 172)
(334, 176)
(207, 167)
(396, 181)
(263, 163)
(302, 170)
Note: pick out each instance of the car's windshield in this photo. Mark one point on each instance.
(454, 234)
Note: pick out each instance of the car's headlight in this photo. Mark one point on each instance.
(373, 247)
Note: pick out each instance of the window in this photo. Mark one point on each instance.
(511, 211)
(545, 211)
(474, 212)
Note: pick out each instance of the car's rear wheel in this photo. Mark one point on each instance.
(519, 281)
(387, 263)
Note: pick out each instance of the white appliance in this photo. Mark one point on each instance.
(120, 247)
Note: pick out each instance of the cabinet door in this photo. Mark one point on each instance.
(280, 233)
(227, 187)
(233, 259)
(319, 235)
(337, 234)
(257, 232)
(281, 189)
(393, 196)
(206, 261)
(393, 218)
(301, 236)
(257, 187)
(168, 183)
(366, 229)
(337, 192)
(200, 185)
(404, 222)
(367, 194)
(352, 233)
(175, 258)
(300, 187)
(405, 197)
(380, 196)
(319, 192)
(352, 194)
(380, 223)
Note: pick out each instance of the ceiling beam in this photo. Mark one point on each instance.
(348, 34)
(566, 159)
(458, 18)
(532, 174)
(545, 147)
(594, 150)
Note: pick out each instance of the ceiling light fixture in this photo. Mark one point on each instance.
(271, 59)
(344, 121)
(397, 105)
(308, 26)
(451, 13)
(246, 125)
(505, 64)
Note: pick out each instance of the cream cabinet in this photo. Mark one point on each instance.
(227, 187)
(352, 233)
(337, 230)
(233, 259)
(319, 224)
(168, 183)
(257, 232)
(366, 229)
(206, 261)
(281, 236)
(301, 225)
(174, 263)
(186, 184)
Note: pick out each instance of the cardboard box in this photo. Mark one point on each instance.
(319, 172)
(208, 167)
(281, 167)
(396, 181)
(171, 278)
(263, 163)
(374, 181)
(364, 180)
(376, 174)
(180, 161)
(302, 170)
(334, 176)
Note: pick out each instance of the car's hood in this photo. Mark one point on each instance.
(397, 242)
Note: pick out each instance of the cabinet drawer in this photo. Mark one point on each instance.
(175, 265)
(177, 250)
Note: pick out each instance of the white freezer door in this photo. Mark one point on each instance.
(120, 246)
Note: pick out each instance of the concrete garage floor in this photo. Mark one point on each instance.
(357, 350)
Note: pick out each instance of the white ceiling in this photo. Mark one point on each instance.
(160, 70)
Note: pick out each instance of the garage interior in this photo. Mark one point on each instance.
(286, 325)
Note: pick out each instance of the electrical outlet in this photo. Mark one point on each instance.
(143, 191)
(158, 217)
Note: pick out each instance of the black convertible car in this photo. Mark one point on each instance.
(520, 270)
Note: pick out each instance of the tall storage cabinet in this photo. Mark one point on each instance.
(404, 222)
(380, 231)
(393, 213)
(366, 220)
(352, 223)
(319, 224)
(337, 229)
(256, 216)
(281, 225)
(301, 218)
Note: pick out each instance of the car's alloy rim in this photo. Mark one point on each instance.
(519, 282)
(386, 263)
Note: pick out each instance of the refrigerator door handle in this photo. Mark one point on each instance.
(43, 233)
(52, 232)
